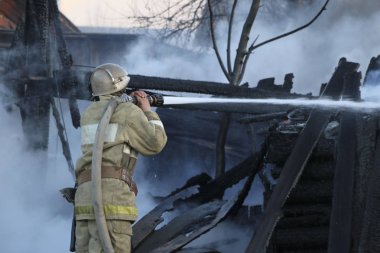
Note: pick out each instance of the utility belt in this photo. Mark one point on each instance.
(110, 172)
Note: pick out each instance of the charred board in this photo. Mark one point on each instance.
(369, 238)
(145, 226)
(340, 225)
(297, 161)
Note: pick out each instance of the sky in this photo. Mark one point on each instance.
(110, 13)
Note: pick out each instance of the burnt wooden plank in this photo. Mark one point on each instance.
(256, 167)
(200, 179)
(183, 229)
(309, 192)
(340, 235)
(231, 205)
(223, 89)
(370, 234)
(302, 210)
(146, 225)
(181, 85)
(234, 107)
(262, 117)
(184, 223)
(302, 238)
(341, 214)
(216, 187)
(288, 179)
(297, 160)
(183, 239)
(303, 221)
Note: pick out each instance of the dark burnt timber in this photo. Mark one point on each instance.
(235, 107)
(373, 67)
(340, 225)
(32, 62)
(177, 236)
(369, 234)
(215, 188)
(186, 223)
(214, 88)
(341, 216)
(230, 207)
(297, 160)
(262, 117)
(145, 226)
(180, 85)
(31, 45)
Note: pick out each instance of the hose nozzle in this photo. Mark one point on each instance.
(154, 99)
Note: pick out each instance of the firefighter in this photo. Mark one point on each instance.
(132, 130)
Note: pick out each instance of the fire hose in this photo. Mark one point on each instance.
(154, 100)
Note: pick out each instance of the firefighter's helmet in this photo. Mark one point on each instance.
(108, 78)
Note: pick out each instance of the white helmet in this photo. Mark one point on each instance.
(108, 78)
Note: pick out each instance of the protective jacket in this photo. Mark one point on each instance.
(130, 132)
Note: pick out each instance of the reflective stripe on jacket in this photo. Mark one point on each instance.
(131, 131)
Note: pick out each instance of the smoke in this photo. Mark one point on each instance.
(345, 29)
(34, 217)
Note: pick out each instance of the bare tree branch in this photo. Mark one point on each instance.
(245, 62)
(229, 37)
(215, 46)
(252, 47)
(244, 38)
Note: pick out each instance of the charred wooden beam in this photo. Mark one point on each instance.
(302, 238)
(234, 107)
(146, 225)
(340, 236)
(366, 149)
(319, 169)
(304, 221)
(311, 192)
(370, 231)
(204, 87)
(335, 86)
(297, 160)
(196, 229)
(183, 224)
(200, 180)
(374, 66)
(341, 216)
(282, 144)
(216, 187)
(247, 185)
(35, 62)
(262, 117)
(302, 210)
(182, 229)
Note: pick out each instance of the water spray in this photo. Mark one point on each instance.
(160, 100)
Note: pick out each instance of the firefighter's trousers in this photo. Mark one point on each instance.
(87, 237)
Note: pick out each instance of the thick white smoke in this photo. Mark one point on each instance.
(345, 29)
(35, 218)
(33, 215)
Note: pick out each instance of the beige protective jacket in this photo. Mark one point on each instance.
(131, 131)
